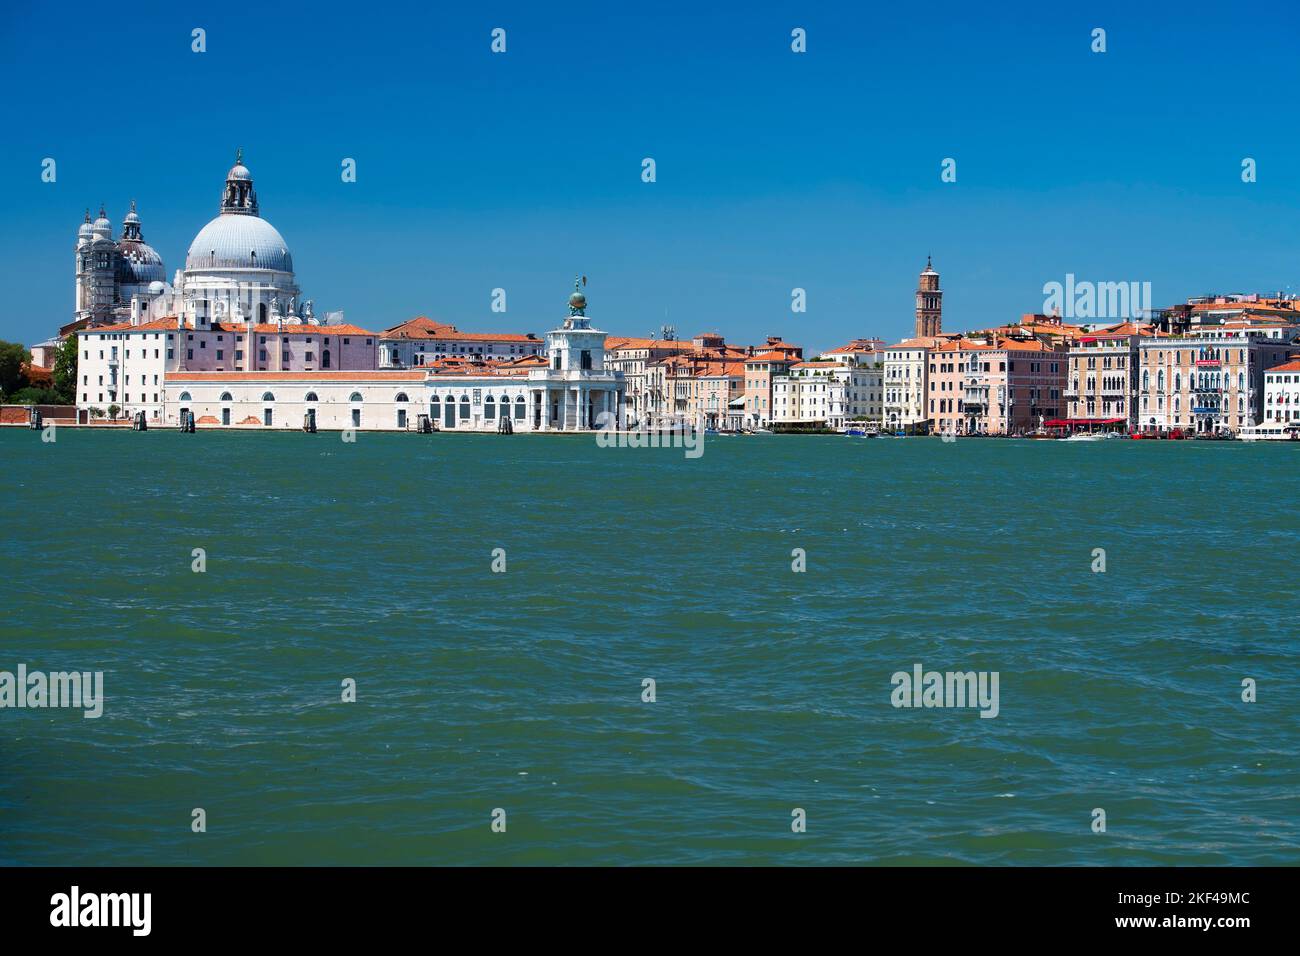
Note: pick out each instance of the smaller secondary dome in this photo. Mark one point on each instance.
(102, 227)
(157, 287)
(239, 172)
(577, 301)
(139, 264)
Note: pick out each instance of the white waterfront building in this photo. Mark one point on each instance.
(1282, 393)
(857, 383)
(904, 383)
(568, 393)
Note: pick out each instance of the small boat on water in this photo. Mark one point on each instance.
(1270, 431)
(1085, 436)
(1176, 435)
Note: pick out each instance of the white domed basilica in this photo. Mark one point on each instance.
(238, 268)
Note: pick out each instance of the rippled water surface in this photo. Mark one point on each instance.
(522, 690)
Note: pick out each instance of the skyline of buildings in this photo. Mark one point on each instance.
(196, 349)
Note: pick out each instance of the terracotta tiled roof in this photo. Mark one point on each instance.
(38, 374)
(521, 362)
(857, 345)
(366, 375)
(1002, 345)
(1292, 366)
(156, 325)
(419, 327)
(1121, 330)
(428, 329)
(613, 342)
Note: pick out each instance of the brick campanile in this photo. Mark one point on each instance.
(929, 303)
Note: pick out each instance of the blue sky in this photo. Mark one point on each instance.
(774, 170)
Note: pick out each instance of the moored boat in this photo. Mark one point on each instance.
(1270, 431)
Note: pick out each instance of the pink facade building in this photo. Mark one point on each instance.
(274, 348)
(998, 387)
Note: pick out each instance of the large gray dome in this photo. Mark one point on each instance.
(239, 242)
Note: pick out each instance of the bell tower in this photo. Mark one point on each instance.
(929, 303)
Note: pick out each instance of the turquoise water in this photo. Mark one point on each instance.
(478, 690)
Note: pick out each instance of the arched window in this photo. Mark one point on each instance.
(401, 397)
(311, 397)
(354, 397)
(435, 400)
(227, 397)
(185, 396)
(325, 359)
(1160, 380)
(268, 397)
(464, 406)
(489, 407)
